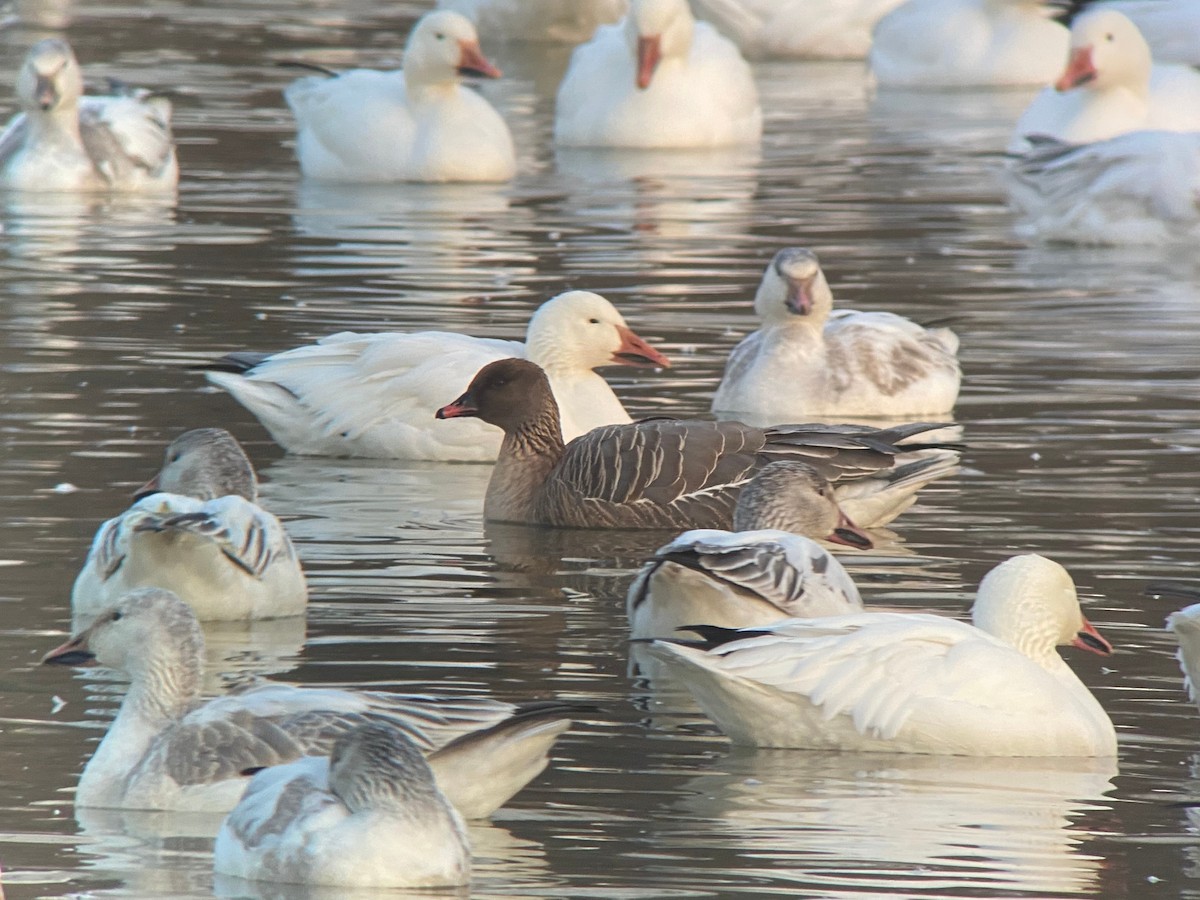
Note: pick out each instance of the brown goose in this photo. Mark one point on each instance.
(666, 473)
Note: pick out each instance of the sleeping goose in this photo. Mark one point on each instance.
(967, 43)
(539, 21)
(798, 29)
(370, 814)
(170, 749)
(372, 394)
(909, 682)
(657, 80)
(766, 569)
(669, 473)
(809, 361)
(1142, 187)
(415, 124)
(196, 530)
(64, 141)
(1110, 86)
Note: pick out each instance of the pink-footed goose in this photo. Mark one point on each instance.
(669, 473)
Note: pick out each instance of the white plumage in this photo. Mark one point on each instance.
(798, 29)
(539, 21)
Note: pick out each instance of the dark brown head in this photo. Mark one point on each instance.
(511, 393)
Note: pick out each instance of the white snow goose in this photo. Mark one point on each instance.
(908, 682)
(539, 21)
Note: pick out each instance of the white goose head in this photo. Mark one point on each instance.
(658, 30)
(582, 330)
(1030, 602)
(1107, 51)
(443, 46)
(204, 463)
(794, 288)
(50, 80)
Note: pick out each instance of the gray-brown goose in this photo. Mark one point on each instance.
(665, 473)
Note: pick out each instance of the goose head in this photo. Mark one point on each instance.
(658, 30)
(513, 394)
(1030, 602)
(378, 767)
(792, 287)
(50, 79)
(148, 633)
(443, 46)
(1107, 50)
(204, 463)
(582, 330)
(788, 495)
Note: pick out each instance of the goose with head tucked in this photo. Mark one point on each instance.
(197, 530)
(64, 141)
(768, 568)
(1110, 86)
(909, 682)
(671, 473)
(657, 80)
(414, 124)
(371, 395)
(808, 360)
(370, 814)
(169, 749)
(539, 21)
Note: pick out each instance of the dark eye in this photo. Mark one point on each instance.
(1108, 37)
(440, 36)
(116, 616)
(593, 321)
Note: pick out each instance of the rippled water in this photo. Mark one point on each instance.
(1079, 408)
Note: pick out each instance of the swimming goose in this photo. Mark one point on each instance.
(540, 21)
(1110, 86)
(967, 43)
(373, 395)
(1142, 187)
(657, 80)
(1170, 27)
(765, 570)
(908, 682)
(64, 141)
(168, 748)
(809, 361)
(196, 530)
(415, 124)
(798, 29)
(1185, 625)
(368, 815)
(669, 473)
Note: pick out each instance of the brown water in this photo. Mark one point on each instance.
(1079, 405)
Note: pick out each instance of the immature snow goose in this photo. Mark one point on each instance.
(908, 682)
(371, 394)
(659, 79)
(809, 361)
(197, 530)
(967, 43)
(64, 141)
(368, 815)
(1110, 86)
(416, 124)
(539, 21)
(765, 570)
(668, 473)
(170, 749)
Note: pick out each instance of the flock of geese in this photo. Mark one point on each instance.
(745, 607)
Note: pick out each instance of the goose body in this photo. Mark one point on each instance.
(418, 124)
(539, 21)
(911, 683)
(657, 80)
(798, 29)
(1110, 86)
(373, 395)
(1142, 187)
(809, 361)
(757, 573)
(667, 473)
(1185, 625)
(64, 141)
(967, 43)
(368, 815)
(168, 749)
(199, 532)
